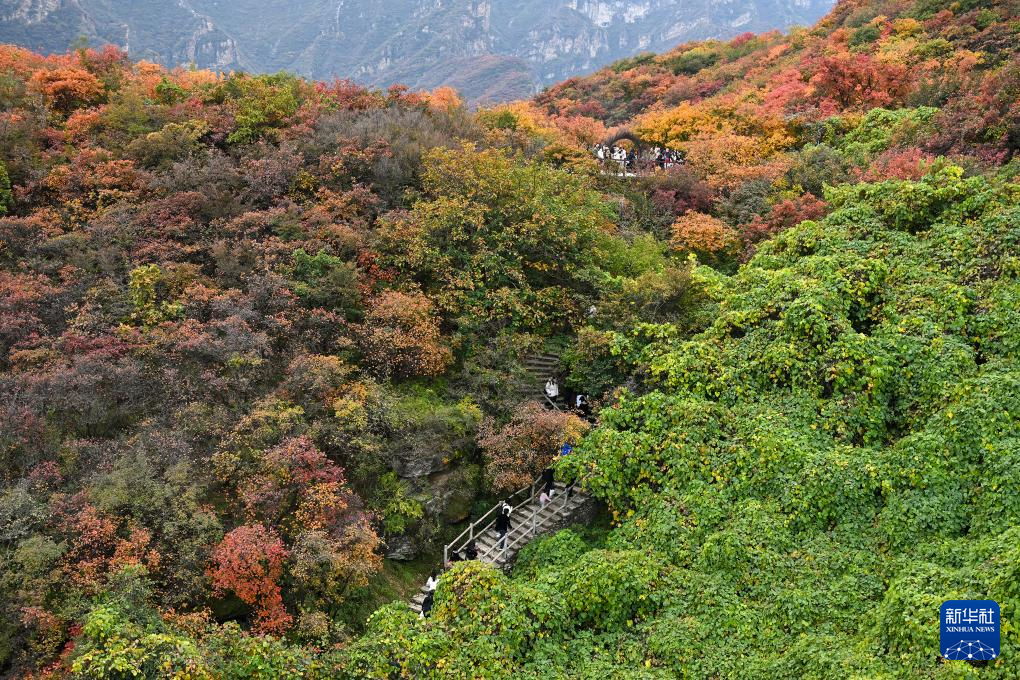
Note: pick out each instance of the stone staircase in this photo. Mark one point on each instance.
(542, 367)
(528, 520)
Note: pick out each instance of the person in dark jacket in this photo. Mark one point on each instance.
(455, 556)
(548, 486)
(426, 604)
(548, 481)
(471, 551)
(503, 525)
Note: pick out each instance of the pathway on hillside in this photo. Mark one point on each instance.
(528, 520)
(542, 367)
(529, 517)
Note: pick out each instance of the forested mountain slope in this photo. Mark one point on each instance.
(799, 486)
(264, 338)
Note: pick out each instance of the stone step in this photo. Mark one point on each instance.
(550, 363)
(553, 510)
(536, 366)
(500, 558)
(522, 513)
(545, 519)
(554, 505)
(487, 549)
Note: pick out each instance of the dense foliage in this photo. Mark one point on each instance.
(797, 487)
(263, 336)
(244, 325)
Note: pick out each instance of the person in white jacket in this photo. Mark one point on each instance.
(552, 389)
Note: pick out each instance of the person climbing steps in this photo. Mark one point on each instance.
(552, 392)
(503, 524)
(480, 542)
(426, 604)
(548, 486)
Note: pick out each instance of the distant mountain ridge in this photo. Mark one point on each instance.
(488, 50)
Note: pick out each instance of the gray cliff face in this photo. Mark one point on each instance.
(489, 50)
(28, 12)
(170, 32)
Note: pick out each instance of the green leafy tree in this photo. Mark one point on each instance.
(324, 280)
(149, 292)
(501, 240)
(264, 104)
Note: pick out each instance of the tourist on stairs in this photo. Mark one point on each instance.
(552, 389)
(548, 486)
(471, 551)
(503, 525)
(426, 604)
(582, 406)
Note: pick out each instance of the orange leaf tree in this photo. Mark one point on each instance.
(66, 89)
(518, 451)
(249, 563)
(696, 232)
(401, 336)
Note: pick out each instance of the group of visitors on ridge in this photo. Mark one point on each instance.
(627, 160)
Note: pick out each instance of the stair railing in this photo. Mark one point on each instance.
(531, 525)
(473, 529)
(512, 541)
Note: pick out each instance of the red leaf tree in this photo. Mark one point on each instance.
(857, 80)
(286, 473)
(518, 451)
(298, 489)
(249, 563)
